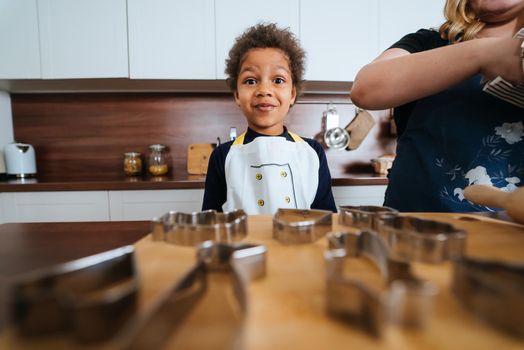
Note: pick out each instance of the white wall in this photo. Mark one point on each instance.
(6, 120)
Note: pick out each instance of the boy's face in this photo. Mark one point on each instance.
(265, 90)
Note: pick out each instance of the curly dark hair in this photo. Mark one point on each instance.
(265, 35)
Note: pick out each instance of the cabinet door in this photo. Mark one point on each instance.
(339, 36)
(171, 39)
(359, 195)
(2, 209)
(400, 17)
(19, 46)
(83, 38)
(233, 17)
(146, 205)
(55, 206)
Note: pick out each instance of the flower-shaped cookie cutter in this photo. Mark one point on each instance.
(414, 239)
(298, 226)
(404, 300)
(190, 229)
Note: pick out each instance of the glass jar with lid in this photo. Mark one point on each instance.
(157, 160)
(132, 164)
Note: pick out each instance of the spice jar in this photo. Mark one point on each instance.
(132, 164)
(157, 160)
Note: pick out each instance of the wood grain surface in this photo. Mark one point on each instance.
(86, 135)
(286, 308)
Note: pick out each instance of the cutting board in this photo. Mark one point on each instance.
(198, 157)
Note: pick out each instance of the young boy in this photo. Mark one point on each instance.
(267, 167)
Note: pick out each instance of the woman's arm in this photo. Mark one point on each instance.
(397, 77)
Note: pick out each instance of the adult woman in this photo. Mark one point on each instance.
(451, 133)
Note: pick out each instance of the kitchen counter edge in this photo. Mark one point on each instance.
(129, 184)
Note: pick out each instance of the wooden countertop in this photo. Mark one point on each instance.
(177, 181)
(286, 308)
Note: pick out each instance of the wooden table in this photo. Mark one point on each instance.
(29, 246)
(286, 308)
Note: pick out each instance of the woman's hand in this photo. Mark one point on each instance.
(501, 57)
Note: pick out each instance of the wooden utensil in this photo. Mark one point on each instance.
(512, 202)
(198, 157)
(359, 128)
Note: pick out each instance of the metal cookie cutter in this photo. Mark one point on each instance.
(364, 216)
(239, 263)
(405, 300)
(194, 228)
(414, 239)
(296, 226)
(493, 290)
(90, 297)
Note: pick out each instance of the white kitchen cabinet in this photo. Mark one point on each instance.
(83, 38)
(233, 17)
(400, 17)
(171, 39)
(339, 37)
(54, 206)
(147, 204)
(6, 120)
(2, 210)
(19, 42)
(359, 195)
(62, 206)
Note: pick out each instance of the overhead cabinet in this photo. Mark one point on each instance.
(83, 39)
(171, 39)
(190, 40)
(19, 41)
(233, 17)
(400, 17)
(63, 39)
(339, 37)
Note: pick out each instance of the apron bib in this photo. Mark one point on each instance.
(270, 173)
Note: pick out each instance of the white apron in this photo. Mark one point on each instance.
(270, 173)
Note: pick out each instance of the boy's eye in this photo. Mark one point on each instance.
(250, 81)
(279, 81)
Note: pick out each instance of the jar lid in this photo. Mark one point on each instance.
(157, 146)
(132, 154)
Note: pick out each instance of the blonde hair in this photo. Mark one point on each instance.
(461, 22)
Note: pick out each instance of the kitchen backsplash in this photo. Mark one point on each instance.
(86, 134)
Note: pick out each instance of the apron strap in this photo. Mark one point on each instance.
(239, 140)
(295, 137)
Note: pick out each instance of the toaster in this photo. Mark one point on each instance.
(20, 160)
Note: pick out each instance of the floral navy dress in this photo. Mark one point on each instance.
(448, 141)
